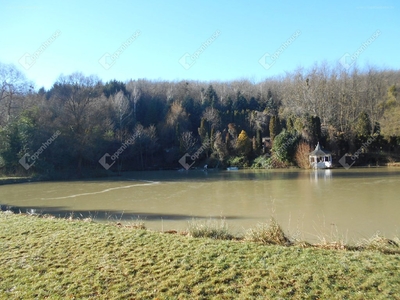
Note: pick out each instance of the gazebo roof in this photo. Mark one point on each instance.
(319, 151)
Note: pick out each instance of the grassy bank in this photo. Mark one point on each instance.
(57, 258)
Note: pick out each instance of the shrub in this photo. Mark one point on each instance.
(209, 229)
(301, 155)
(238, 161)
(260, 162)
(379, 243)
(284, 147)
(268, 233)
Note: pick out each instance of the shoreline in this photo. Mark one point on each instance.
(26, 179)
(269, 233)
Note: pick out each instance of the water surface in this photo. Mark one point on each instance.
(351, 204)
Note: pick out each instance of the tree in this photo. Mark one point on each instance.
(13, 85)
(271, 105)
(122, 111)
(140, 142)
(303, 149)
(210, 97)
(78, 106)
(176, 122)
(290, 124)
(152, 141)
(211, 115)
(315, 129)
(134, 94)
(241, 102)
(10, 147)
(121, 119)
(220, 147)
(274, 127)
(187, 141)
(258, 140)
(363, 125)
(113, 87)
(362, 129)
(202, 130)
(258, 120)
(243, 145)
(284, 148)
(253, 104)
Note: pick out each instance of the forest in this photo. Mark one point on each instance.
(83, 126)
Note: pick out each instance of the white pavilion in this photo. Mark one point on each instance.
(320, 159)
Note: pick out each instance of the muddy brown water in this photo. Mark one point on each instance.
(332, 204)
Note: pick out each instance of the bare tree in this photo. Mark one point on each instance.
(13, 85)
(258, 120)
(77, 99)
(212, 116)
(123, 113)
(135, 93)
(187, 141)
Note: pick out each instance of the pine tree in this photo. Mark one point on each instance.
(210, 97)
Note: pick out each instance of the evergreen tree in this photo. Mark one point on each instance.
(362, 129)
(210, 97)
(274, 127)
(290, 124)
(243, 144)
(258, 139)
(315, 129)
(363, 125)
(271, 106)
(202, 130)
(241, 102)
(284, 147)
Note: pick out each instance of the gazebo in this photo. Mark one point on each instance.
(320, 159)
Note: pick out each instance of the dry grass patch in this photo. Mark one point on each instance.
(380, 243)
(213, 229)
(268, 233)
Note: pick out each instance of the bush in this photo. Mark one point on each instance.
(284, 147)
(260, 162)
(238, 161)
(301, 155)
(270, 233)
(209, 229)
(380, 243)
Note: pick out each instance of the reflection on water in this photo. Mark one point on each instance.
(355, 202)
(320, 174)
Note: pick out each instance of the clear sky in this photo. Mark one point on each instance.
(199, 40)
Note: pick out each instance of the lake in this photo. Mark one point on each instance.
(349, 204)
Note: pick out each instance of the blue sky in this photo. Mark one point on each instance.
(223, 40)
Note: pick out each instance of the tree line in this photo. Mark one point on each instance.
(275, 122)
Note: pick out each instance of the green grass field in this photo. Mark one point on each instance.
(61, 259)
